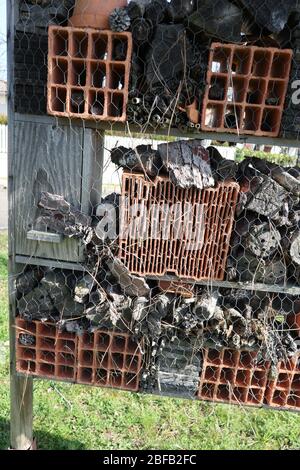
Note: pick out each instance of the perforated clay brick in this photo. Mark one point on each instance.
(88, 73)
(284, 391)
(53, 354)
(167, 251)
(233, 376)
(108, 359)
(246, 89)
(103, 358)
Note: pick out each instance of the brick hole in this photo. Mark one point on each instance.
(58, 99)
(102, 341)
(66, 359)
(59, 71)
(251, 119)
(270, 120)
(275, 93)
(223, 393)
(280, 65)
(101, 376)
(132, 363)
(27, 327)
(227, 375)
(60, 43)
(102, 360)
(78, 73)
(294, 400)
(77, 101)
(65, 372)
(87, 340)
(46, 370)
(259, 378)
(214, 356)
(117, 77)
(100, 47)
(279, 398)
(47, 356)
(130, 381)
(132, 346)
(221, 60)
(47, 330)
(115, 104)
(255, 396)
(246, 360)
(232, 117)
(296, 382)
(26, 366)
(243, 377)
(289, 365)
(96, 103)
(283, 381)
(229, 358)
(241, 61)
(26, 353)
(117, 361)
(85, 375)
(211, 374)
(239, 394)
(217, 88)
(47, 343)
(115, 378)
(86, 358)
(66, 346)
(238, 90)
(119, 49)
(256, 91)
(80, 45)
(98, 75)
(207, 391)
(261, 63)
(118, 343)
(213, 116)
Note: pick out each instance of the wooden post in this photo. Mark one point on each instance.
(21, 388)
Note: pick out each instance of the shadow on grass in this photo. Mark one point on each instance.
(45, 440)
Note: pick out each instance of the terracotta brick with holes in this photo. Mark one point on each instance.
(246, 89)
(167, 251)
(88, 73)
(53, 354)
(233, 376)
(108, 359)
(284, 391)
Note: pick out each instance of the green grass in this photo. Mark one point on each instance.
(78, 417)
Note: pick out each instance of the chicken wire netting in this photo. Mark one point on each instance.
(147, 261)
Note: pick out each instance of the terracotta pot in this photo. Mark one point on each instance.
(94, 13)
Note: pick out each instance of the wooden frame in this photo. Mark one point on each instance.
(22, 387)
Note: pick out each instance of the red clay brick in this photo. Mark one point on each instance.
(53, 354)
(86, 79)
(162, 255)
(284, 391)
(249, 83)
(233, 376)
(108, 359)
(104, 359)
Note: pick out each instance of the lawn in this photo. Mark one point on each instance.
(78, 417)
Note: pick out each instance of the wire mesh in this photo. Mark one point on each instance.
(147, 261)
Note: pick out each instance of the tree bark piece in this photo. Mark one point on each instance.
(262, 240)
(187, 163)
(277, 173)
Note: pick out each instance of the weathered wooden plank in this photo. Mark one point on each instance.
(92, 170)
(21, 388)
(47, 158)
